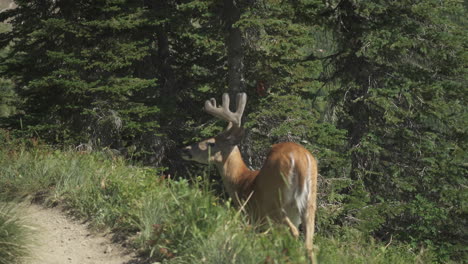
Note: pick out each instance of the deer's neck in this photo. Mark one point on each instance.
(237, 178)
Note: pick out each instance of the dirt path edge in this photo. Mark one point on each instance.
(61, 240)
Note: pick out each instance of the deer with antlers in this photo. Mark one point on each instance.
(283, 190)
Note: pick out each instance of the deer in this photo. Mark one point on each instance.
(284, 190)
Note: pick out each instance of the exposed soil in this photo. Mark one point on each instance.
(60, 240)
(6, 4)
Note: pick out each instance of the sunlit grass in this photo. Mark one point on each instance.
(178, 221)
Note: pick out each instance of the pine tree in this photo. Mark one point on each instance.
(401, 67)
(77, 67)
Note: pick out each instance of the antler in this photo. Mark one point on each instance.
(223, 112)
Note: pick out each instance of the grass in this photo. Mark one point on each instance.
(14, 236)
(173, 221)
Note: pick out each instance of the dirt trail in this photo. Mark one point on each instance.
(61, 240)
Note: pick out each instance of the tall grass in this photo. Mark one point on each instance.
(178, 221)
(14, 236)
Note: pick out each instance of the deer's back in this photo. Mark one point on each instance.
(284, 180)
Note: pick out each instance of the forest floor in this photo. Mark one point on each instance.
(62, 240)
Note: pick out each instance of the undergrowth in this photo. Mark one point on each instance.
(174, 221)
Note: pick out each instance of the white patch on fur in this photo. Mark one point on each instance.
(302, 196)
(295, 198)
(288, 196)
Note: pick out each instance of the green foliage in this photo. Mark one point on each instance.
(277, 43)
(291, 118)
(8, 97)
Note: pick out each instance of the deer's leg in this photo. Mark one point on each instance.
(308, 218)
(293, 228)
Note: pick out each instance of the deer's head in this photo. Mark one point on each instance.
(217, 148)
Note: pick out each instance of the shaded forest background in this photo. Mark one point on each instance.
(375, 89)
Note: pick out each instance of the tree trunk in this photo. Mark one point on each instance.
(165, 64)
(164, 61)
(234, 49)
